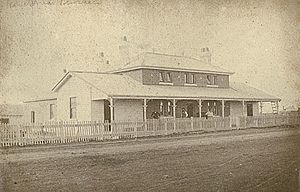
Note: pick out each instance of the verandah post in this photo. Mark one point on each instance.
(244, 114)
(200, 107)
(174, 114)
(111, 109)
(145, 114)
(192, 124)
(223, 108)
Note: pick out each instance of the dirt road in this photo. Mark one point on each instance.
(247, 160)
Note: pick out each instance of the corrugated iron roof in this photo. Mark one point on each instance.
(11, 110)
(171, 62)
(124, 86)
(47, 96)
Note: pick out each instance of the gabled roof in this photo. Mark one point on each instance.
(115, 85)
(171, 62)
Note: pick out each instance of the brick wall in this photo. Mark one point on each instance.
(151, 77)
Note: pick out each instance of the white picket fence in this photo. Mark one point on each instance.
(83, 131)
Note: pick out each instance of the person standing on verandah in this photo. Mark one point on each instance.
(209, 114)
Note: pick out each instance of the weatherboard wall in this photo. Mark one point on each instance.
(236, 108)
(128, 110)
(74, 87)
(41, 110)
(97, 113)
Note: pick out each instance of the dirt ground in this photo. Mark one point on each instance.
(245, 160)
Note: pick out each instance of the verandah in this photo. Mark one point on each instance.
(154, 108)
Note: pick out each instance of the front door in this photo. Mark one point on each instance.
(249, 109)
(106, 111)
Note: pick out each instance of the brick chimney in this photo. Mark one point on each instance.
(205, 54)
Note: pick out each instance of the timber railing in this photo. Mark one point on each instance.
(83, 131)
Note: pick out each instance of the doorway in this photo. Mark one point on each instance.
(249, 109)
(106, 111)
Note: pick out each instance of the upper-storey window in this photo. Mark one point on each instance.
(189, 78)
(161, 77)
(211, 79)
(169, 77)
(193, 79)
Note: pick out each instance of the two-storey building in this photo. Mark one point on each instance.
(150, 86)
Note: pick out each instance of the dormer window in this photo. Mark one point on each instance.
(169, 77)
(211, 79)
(161, 77)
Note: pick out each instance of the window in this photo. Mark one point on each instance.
(193, 79)
(249, 109)
(169, 77)
(161, 78)
(32, 117)
(211, 79)
(169, 108)
(73, 108)
(161, 108)
(186, 78)
(189, 78)
(52, 111)
(4, 120)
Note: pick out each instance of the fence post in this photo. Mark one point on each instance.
(101, 129)
(136, 129)
(192, 124)
(166, 126)
(18, 137)
(44, 133)
(238, 122)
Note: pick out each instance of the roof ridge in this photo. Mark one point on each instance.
(95, 72)
(184, 56)
(165, 54)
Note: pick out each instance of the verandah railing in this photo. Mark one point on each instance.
(81, 131)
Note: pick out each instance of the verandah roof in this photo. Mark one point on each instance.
(114, 85)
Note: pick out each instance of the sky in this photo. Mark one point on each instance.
(256, 39)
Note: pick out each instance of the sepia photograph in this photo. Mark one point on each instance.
(150, 95)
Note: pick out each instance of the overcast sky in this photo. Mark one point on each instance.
(258, 40)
